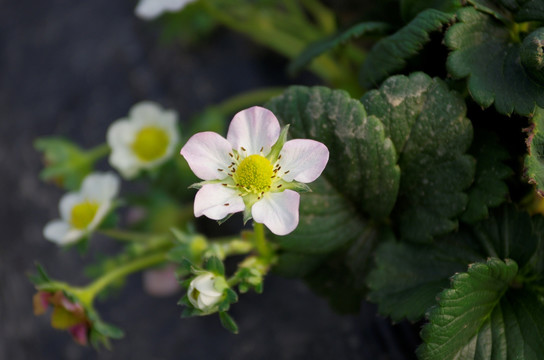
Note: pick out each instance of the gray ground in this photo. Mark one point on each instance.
(71, 68)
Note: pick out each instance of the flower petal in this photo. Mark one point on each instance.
(67, 202)
(304, 160)
(144, 113)
(100, 186)
(120, 133)
(161, 282)
(125, 162)
(207, 152)
(217, 201)
(253, 129)
(61, 233)
(150, 9)
(278, 211)
(56, 230)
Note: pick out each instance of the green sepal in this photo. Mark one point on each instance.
(220, 222)
(228, 322)
(40, 277)
(276, 148)
(247, 214)
(214, 265)
(199, 185)
(108, 330)
(295, 186)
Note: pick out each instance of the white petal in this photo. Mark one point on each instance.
(205, 285)
(206, 152)
(100, 186)
(67, 202)
(100, 214)
(304, 159)
(253, 129)
(125, 162)
(120, 134)
(207, 300)
(212, 199)
(56, 230)
(150, 9)
(278, 211)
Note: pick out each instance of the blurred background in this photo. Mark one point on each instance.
(70, 68)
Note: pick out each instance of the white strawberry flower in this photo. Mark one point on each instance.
(202, 292)
(253, 170)
(144, 140)
(151, 9)
(81, 212)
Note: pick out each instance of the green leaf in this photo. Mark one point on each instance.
(66, 164)
(482, 317)
(488, 189)
(410, 8)
(427, 124)
(362, 159)
(508, 233)
(297, 265)
(484, 51)
(506, 10)
(317, 48)
(228, 322)
(534, 160)
(389, 55)
(407, 277)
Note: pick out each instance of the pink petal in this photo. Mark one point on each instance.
(278, 211)
(79, 333)
(304, 160)
(206, 153)
(161, 282)
(254, 129)
(217, 201)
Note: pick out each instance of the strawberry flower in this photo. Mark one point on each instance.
(254, 170)
(84, 210)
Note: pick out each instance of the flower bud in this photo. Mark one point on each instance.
(203, 291)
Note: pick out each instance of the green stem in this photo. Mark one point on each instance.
(260, 240)
(87, 294)
(98, 152)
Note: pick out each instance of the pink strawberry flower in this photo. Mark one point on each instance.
(254, 170)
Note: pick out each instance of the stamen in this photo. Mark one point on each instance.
(287, 172)
(279, 157)
(230, 154)
(280, 185)
(224, 184)
(219, 169)
(261, 149)
(227, 204)
(243, 149)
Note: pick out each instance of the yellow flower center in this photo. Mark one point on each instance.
(83, 213)
(150, 143)
(254, 174)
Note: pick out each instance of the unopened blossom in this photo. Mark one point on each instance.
(254, 170)
(66, 315)
(202, 292)
(144, 140)
(151, 9)
(81, 212)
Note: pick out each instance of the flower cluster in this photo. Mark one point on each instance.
(82, 211)
(254, 170)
